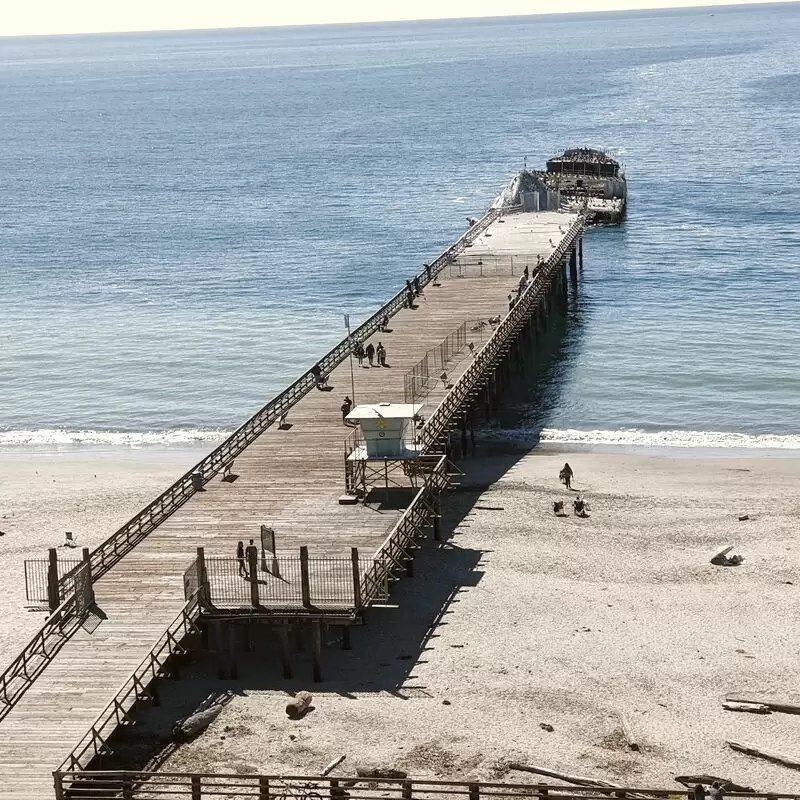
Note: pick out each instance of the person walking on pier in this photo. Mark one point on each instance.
(360, 354)
(381, 353)
(417, 287)
(241, 560)
(370, 351)
(347, 407)
(565, 476)
(428, 272)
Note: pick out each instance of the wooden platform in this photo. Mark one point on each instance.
(288, 479)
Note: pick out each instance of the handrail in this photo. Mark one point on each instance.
(24, 669)
(437, 422)
(207, 785)
(135, 685)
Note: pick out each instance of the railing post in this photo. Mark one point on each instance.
(127, 789)
(305, 583)
(263, 788)
(197, 788)
(58, 784)
(408, 790)
(474, 791)
(203, 588)
(357, 601)
(437, 519)
(252, 567)
(87, 559)
(52, 580)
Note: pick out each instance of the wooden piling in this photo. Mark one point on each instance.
(316, 632)
(286, 654)
(305, 582)
(52, 580)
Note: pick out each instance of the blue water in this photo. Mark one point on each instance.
(186, 216)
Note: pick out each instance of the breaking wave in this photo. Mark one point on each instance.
(52, 437)
(635, 437)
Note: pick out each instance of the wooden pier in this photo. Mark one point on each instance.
(127, 608)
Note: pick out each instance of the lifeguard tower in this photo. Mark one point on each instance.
(383, 449)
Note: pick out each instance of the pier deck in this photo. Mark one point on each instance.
(288, 479)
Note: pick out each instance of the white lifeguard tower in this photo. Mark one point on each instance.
(384, 441)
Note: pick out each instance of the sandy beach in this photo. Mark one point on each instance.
(520, 619)
(88, 491)
(524, 619)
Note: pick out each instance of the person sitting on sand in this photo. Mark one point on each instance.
(558, 508)
(565, 476)
(580, 507)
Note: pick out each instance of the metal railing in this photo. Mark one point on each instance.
(285, 582)
(37, 654)
(397, 548)
(198, 786)
(36, 571)
(135, 687)
(492, 352)
(427, 372)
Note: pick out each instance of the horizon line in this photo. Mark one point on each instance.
(700, 6)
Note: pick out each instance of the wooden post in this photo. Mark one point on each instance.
(474, 791)
(286, 655)
(356, 578)
(127, 789)
(305, 583)
(463, 436)
(203, 589)
(58, 780)
(316, 629)
(263, 787)
(52, 579)
(87, 559)
(197, 788)
(346, 638)
(573, 265)
(408, 790)
(437, 519)
(252, 568)
(580, 252)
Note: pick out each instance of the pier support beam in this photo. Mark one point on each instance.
(316, 632)
(286, 654)
(580, 252)
(573, 265)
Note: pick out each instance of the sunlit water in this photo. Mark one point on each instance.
(185, 217)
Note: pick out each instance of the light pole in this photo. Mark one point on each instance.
(352, 376)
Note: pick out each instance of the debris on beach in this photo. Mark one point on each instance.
(298, 705)
(785, 706)
(743, 517)
(199, 720)
(750, 708)
(627, 731)
(722, 559)
(769, 755)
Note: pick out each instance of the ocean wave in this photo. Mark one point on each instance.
(635, 437)
(53, 437)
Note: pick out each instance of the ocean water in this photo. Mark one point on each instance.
(186, 216)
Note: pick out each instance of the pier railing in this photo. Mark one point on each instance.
(137, 686)
(104, 785)
(460, 396)
(397, 549)
(38, 653)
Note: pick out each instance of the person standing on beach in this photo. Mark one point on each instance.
(241, 560)
(370, 351)
(565, 476)
(699, 792)
(381, 353)
(716, 792)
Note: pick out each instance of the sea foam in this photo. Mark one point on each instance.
(60, 437)
(635, 437)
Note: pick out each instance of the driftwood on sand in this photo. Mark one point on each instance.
(627, 731)
(769, 755)
(387, 773)
(578, 780)
(785, 706)
(198, 721)
(332, 766)
(750, 708)
(298, 705)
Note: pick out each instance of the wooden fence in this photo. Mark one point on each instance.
(197, 786)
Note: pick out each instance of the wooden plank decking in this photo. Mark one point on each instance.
(288, 479)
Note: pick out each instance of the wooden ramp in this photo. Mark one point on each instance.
(288, 479)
